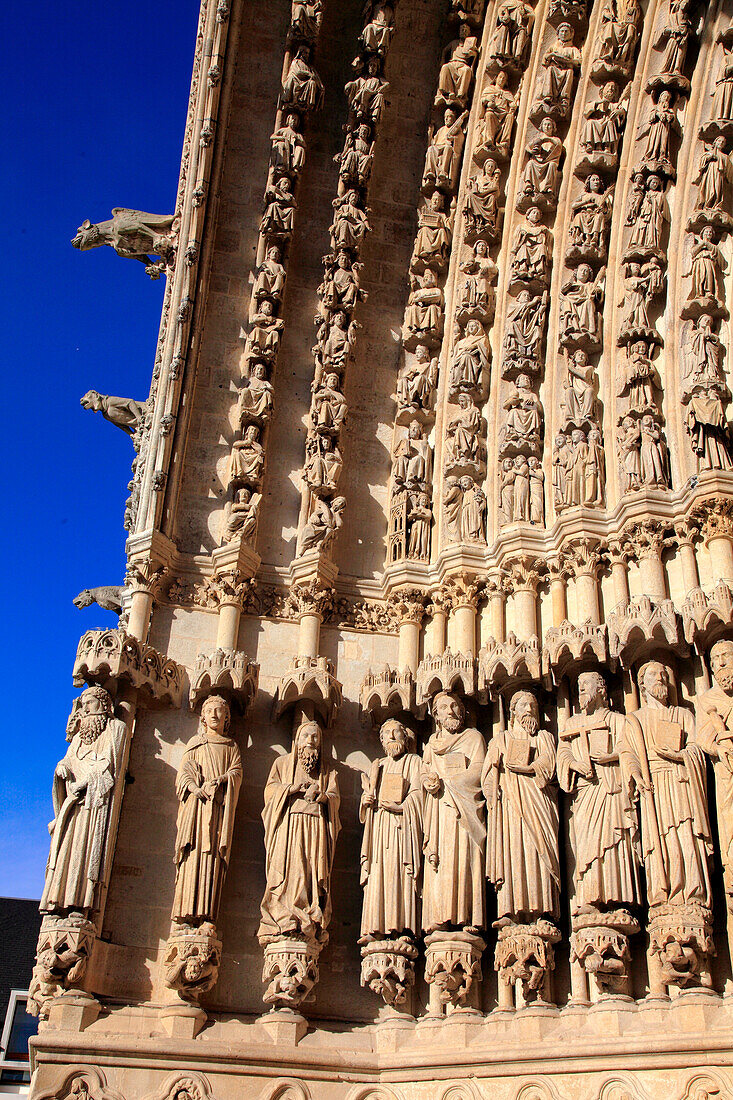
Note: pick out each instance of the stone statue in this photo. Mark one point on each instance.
(417, 380)
(83, 788)
(247, 458)
(510, 39)
(302, 87)
(328, 408)
(419, 519)
(207, 787)
(305, 19)
(674, 39)
(654, 455)
(463, 434)
(523, 424)
(660, 124)
(335, 340)
(240, 515)
(355, 160)
(366, 94)
(723, 90)
(255, 399)
(531, 248)
(350, 222)
(559, 64)
(263, 338)
(456, 74)
(603, 828)
(639, 379)
(424, 315)
(464, 506)
(413, 459)
(121, 411)
(603, 125)
(581, 321)
(666, 768)
(288, 147)
(270, 278)
(525, 325)
(378, 31)
(135, 235)
(540, 180)
(578, 400)
(707, 267)
(715, 735)
(536, 491)
(642, 282)
(618, 34)
(648, 222)
(481, 209)
(455, 830)
(323, 463)
(279, 216)
(443, 158)
(434, 235)
(522, 847)
(471, 357)
(590, 218)
(476, 293)
(391, 849)
(496, 125)
(714, 176)
(301, 818)
(324, 522)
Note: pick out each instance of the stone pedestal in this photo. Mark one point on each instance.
(291, 970)
(680, 947)
(600, 956)
(192, 960)
(452, 969)
(388, 969)
(525, 959)
(64, 947)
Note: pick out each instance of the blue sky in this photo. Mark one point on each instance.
(95, 100)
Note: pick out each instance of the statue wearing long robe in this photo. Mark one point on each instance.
(675, 831)
(715, 735)
(603, 829)
(83, 786)
(455, 832)
(300, 838)
(212, 765)
(391, 849)
(522, 848)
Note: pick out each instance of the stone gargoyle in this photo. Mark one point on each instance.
(108, 596)
(124, 412)
(134, 234)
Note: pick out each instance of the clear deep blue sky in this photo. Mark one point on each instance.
(95, 98)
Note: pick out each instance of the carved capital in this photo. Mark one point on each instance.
(311, 598)
(192, 959)
(291, 970)
(619, 551)
(104, 655)
(646, 539)
(583, 556)
(145, 576)
(525, 958)
(525, 573)
(225, 588)
(453, 964)
(408, 605)
(463, 590)
(715, 516)
(558, 568)
(687, 530)
(388, 968)
(64, 947)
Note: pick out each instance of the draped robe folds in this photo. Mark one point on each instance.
(675, 831)
(720, 747)
(522, 857)
(455, 832)
(300, 838)
(75, 865)
(603, 826)
(204, 829)
(391, 853)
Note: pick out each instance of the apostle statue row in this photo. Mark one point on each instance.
(435, 827)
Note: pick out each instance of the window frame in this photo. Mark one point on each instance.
(16, 996)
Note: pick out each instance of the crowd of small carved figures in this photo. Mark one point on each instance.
(436, 826)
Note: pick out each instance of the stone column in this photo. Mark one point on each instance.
(647, 543)
(717, 515)
(496, 592)
(408, 605)
(439, 607)
(686, 530)
(464, 591)
(584, 557)
(558, 590)
(525, 578)
(309, 603)
(142, 580)
(619, 558)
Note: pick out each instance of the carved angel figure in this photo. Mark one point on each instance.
(476, 294)
(83, 788)
(707, 266)
(481, 209)
(497, 121)
(580, 309)
(443, 158)
(559, 64)
(302, 87)
(531, 249)
(391, 811)
(704, 353)
(540, 180)
(522, 859)
(454, 80)
(207, 786)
